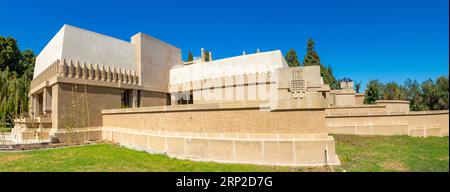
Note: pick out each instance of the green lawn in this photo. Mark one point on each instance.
(4, 129)
(392, 153)
(357, 153)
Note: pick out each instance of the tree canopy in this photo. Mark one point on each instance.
(312, 58)
(190, 56)
(207, 58)
(16, 72)
(291, 58)
(429, 95)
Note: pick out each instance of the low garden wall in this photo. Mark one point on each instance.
(412, 123)
(234, 133)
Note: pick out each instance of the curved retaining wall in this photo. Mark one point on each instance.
(225, 133)
(372, 122)
(288, 150)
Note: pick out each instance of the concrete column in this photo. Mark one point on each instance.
(134, 98)
(47, 101)
(35, 105)
(56, 110)
(32, 105)
(203, 55)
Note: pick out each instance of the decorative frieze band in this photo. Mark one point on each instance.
(96, 72)
(87, 71)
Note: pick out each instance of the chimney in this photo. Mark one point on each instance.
(210, 56)
(257, 50)
(243, 53)
(203, 54)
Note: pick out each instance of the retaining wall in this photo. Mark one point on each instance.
(419, 124)
(233, 133)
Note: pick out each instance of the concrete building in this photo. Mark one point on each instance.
(251, 108)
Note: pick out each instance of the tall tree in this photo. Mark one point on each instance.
(328, 77)
(190, 56)
(442, 92)
(9, 54)
(373, 90)
(207, 58)
(311, 57)
(26, 63)
(392, 91)
(16, 72)
(413, 95)
(291, 58)
(429, 94)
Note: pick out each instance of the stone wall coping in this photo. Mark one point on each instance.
(190, 107)
(246, 105)
(379, 114)
(357, 106)
(392, 101)
(343, 92)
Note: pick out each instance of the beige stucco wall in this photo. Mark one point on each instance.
(51, 52)
(424, 123)
(77, 44)
(294, 150)
(154, 60)
(227, 132)
(96, 99)
(264, 62)
(394, 105)
(359, 98)
(151, 98)
(209, 119)
(311, 74)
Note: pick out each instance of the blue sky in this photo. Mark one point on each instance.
(386, 40)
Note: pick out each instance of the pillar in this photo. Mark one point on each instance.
(31, 105)
(35, 105)
(135, 98)
(47, 101)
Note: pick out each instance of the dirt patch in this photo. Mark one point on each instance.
(396, 166)
(13, 157)
(42, 146)
(317, 169)
(445, 158)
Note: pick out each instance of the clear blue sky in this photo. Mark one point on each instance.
(387, 40)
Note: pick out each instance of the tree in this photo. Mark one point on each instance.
(16, 72)
(392, 91)
(9, 54)
(328, 77)
(13, 95)
(429, 95)
(373, 90)
(190, 56)
(442, 92)
(26, 63)
(311, 57)
(207, 56)
(291, 58)
(413, 95)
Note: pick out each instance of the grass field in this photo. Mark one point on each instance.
(357, 153)
(4, 129)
